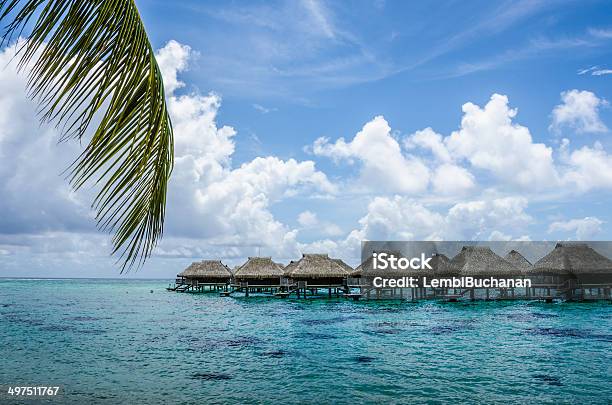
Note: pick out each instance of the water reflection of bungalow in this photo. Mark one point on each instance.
(199, 275)
(573, 271)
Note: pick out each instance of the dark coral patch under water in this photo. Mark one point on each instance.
(211, 376)
(548, 379)
(364, 359)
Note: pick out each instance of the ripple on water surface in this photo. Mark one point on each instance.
(117, 342)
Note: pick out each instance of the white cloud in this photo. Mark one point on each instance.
(587, 168)
(450, 179)
(401, 218)
(174, 58)
(579, 111)
(308, 219)
(603, 33)
(215, 202)
(477, 218)
(428, 139)
(212, 206)
(35, 197)
(264, 110)
(383, 165)
(595, 71)
(585, 228)
(490, 140)
(602, 72)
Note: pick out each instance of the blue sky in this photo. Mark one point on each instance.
(262, 93)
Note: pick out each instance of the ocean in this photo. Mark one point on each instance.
(131, 341)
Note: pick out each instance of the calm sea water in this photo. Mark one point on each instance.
(116, 342)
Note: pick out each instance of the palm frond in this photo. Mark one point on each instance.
(90, 61)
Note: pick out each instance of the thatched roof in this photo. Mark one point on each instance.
(207, 269)
(317, 266)
(289, 268)
(358, 272)
(442, 265)
(575, 258)
(482, 261)
(518, 260)
(259, 267)
(345, 266)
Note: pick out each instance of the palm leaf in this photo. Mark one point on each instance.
(92, 65)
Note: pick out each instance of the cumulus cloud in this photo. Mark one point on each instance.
(585, 228)
(401, 218)
(172, 59)
(579, 111)
(450, 179)
(428, 139)
(383, 165)
(208, 197)
(213, 207)
(586, 168)
(490, 140)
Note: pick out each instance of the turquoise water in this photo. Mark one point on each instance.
(116, 342)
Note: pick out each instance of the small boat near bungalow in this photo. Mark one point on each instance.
(571, 271)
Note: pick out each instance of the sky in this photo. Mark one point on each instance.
(310, 126)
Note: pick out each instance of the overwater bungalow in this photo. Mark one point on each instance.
(198, 275)
(480, 262)
(259, 272)
(574, 271)
(315, 271)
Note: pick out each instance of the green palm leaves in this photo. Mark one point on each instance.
(92, 65)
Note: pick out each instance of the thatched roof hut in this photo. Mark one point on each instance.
(259, 268)
(442, 266)
(573, 258)
(518, 260)
(316, 266)
(207, 270)
(481, 261)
